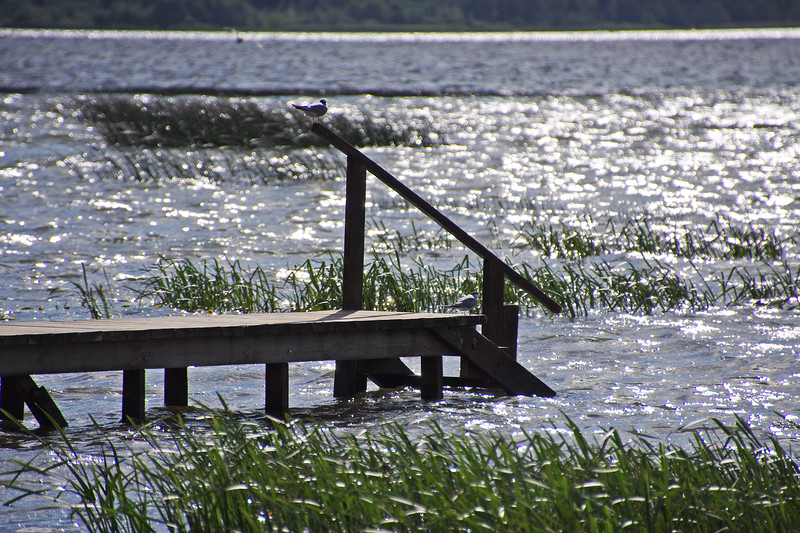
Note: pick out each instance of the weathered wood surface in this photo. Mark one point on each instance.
(494, 362)
(207, 340)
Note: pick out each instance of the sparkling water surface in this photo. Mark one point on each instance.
(577, 129)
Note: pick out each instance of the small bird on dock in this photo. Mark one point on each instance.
(314, 110)
(465, 303)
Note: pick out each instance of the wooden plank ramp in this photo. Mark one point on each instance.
(372, 340)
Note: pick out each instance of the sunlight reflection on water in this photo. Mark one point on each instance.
(570, 155)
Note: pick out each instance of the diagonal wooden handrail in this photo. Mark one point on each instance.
(417, 201)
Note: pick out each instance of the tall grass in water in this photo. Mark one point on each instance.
(233, 167)
(316, 284)
(239, 476)
(720, 240)
(313, 285)
(208, 286)
(94, 297)
(152, 121)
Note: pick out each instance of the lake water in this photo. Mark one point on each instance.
(683, 127)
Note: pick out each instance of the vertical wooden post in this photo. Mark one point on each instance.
(432, 377)
(348, 380)
(133, 389)
(493, 293)
(510, 329)
(492, 306)
(277, 389)
(176, 387)
(11, 399)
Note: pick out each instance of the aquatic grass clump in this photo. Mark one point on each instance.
(314, 285)
(208, 287)
(780, 287)
(238, 475)
(94, 297)
(233, 167)
(599, 285)
(388, 285)
(720, 240)
(153, 121)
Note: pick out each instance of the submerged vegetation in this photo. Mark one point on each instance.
(224, 140)
(223, 167)
(203, 122)
(239, 475)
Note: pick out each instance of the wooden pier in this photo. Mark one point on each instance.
(374, 339)
(364, 344)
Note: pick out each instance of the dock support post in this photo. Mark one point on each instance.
(509, 330)
(176, 387)
(493, 294)
(15, 391)
(133, 391)
(11, 400)
(348, 380)
(432, 377)
(277, 389)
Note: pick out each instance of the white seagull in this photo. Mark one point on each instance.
(314, 110)
(465, 303)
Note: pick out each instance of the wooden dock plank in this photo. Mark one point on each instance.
(365, 342)
(133, 329)
(220, 340)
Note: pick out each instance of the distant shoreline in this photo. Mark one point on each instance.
(514, 35)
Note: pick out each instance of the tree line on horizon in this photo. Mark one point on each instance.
(456, 15)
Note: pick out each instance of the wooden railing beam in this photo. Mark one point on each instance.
(417, 201)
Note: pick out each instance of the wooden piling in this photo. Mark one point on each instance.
(348, 379)
(16, 391)
(11, 399)
(277, 389)
(133, 395)
(176, 387)
(432, 377)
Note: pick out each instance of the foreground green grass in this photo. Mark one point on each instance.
(245, 476)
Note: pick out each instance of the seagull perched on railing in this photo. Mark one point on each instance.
(314, 110)
(465, 303)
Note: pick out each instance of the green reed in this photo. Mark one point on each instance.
(720, 240)
(152, 121)
(315, 284)
(210, 286)
(94, 296)
(237, 475)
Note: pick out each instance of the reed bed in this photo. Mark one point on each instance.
(150, 121)
(314, 285)
(232, 167)
(656, 287)
(210, 286)
(240, 475)
(720, 240)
